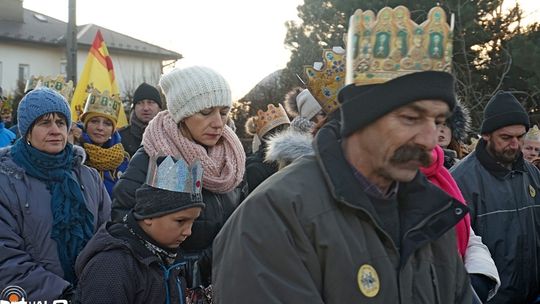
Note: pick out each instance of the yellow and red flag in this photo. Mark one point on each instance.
(98, 73)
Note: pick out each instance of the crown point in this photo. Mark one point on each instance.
(326, 78)
(271, 118)
(392, 45)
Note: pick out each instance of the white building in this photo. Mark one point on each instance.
(34, 44)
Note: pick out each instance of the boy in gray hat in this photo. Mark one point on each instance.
(138, 260)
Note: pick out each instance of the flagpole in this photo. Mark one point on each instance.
(71, 43)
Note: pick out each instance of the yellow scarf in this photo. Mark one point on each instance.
(104, 159)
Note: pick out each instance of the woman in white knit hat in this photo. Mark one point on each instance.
(194, 127)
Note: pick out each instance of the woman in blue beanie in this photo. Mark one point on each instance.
(50, 203)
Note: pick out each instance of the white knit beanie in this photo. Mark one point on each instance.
(193, 89)
(308, 106)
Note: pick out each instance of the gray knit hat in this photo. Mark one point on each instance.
(171, 186)
(193, 89)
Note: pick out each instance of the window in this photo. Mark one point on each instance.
(24, 72)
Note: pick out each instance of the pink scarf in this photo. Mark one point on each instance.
(439, 175)
(223, 164)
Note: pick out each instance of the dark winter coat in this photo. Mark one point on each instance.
(257, 170)
(131, 138)
(115, 267)
(309, 234)
(28, 255)
(218, 209)
(505, 212)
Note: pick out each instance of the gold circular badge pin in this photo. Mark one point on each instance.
(368, 281)
(532, 191)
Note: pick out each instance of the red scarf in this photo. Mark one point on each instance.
(439, 175)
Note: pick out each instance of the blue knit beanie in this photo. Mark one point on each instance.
(39, 102)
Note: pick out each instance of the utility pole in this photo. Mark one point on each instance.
(71, 43)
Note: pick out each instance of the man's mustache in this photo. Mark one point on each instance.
(409, 153)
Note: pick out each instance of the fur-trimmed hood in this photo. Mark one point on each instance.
(460, 122)
(250, 126)
(287, 146)
(300, 102)
(302, 125)
(290, 102)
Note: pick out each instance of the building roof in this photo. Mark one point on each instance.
(42, 29)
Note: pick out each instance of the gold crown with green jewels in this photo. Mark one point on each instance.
(103, 104)
(325, 79)
(57, 83)
(533, 134)
(7, 105)
(391, 45)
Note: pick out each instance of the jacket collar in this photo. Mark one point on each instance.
(136, 126)
(426, 211)
(121, 231)
(492, 166)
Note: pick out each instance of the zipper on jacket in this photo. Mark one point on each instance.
(166, 276)
(378, 227)
(427, 219)
(435, 284)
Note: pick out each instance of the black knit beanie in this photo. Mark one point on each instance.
(155, 202)
(503, 110)
(146, 91)
(363, 105)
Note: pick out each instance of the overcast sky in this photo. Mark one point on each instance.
(242, 39)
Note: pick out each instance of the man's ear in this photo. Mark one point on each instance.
(148, 221)
(486, 137)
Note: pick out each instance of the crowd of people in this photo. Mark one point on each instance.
(370, 195)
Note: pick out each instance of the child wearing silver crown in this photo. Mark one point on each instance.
(138, 260)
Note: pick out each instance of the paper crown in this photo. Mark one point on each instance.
(102, 104)
(273, 117)
(533, 134)
(58, 84)
(325, 79)
(7, 105)
(174, 174)
(392, 45)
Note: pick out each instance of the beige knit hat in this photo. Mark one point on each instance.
(193, 89)
(307, 104)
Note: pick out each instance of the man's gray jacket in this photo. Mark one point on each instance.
(309, 234)
(505, 212)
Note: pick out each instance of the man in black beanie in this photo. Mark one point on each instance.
(146, 104)
(357, 221)
(502, 190)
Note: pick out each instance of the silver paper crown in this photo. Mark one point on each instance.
(174, 174)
